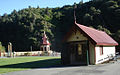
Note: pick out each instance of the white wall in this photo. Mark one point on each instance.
(107, 50)
(33, 53)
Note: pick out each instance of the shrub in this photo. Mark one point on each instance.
(2, 48)
(27, 54)
(45, 53)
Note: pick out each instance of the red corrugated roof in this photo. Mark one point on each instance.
(45, 40)
(99, 37)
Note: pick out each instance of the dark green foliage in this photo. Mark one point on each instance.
(24, 28)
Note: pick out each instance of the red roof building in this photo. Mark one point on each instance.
(45, 40)
(85, 45)
(45, 46)
(99, 37)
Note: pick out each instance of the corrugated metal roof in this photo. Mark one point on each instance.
(99, 37)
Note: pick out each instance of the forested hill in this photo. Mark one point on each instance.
(24, 28)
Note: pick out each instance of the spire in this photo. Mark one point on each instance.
(44, 32)
(45, 39)
(44, 35)
(75, 6)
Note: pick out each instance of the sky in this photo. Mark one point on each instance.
(7, 6)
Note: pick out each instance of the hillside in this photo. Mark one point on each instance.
(24, 28)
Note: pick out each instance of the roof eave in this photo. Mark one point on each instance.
(108, 44)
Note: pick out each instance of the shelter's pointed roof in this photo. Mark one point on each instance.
(99, 37)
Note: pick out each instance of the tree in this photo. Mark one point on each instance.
(104, 29)
(87, 19)
(117, 35)
(25, 27)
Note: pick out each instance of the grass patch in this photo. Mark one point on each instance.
(23, 63)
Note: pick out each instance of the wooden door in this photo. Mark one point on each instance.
(78, 53)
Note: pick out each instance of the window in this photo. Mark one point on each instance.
(101, 50)
(79, 49)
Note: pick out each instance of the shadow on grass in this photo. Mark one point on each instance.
(36, 64)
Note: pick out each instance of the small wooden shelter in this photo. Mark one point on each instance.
(85, 45)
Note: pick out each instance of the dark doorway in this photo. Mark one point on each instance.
(78, 53)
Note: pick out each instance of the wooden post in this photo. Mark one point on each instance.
(87, 52)
(9, 49)
(87, 58)
(0, 53)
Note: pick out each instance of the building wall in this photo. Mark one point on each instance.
(107, 51)
(92, 53)
(45, 46)
(76, 37)
(80, 37)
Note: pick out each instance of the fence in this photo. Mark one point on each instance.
(32, 53)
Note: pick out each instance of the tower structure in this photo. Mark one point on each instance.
(45, 46)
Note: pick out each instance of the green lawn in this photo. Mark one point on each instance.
(23, 63)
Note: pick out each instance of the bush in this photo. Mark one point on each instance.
(27, 54)
(45, 53)
(2, 48)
